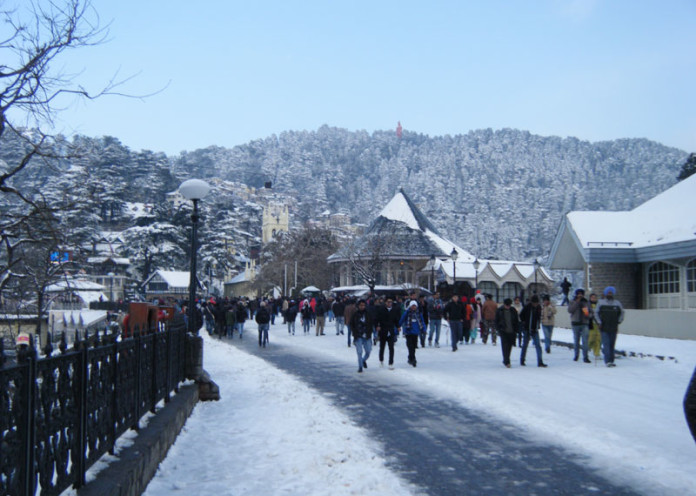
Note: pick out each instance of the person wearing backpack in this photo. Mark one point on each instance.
(608, 315)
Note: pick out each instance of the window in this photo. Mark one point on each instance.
(691, 276)
(488, 287)
(663, 278)
(510, 290)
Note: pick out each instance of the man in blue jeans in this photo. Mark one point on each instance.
(263, 317)
(609, 314)
(580, 314)
(530, 318)
(454, 313)
(435, 310)
(361, 327)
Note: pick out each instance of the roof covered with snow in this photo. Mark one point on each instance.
(641, 234)
(403, 231)
(173, 278)
(74, 285)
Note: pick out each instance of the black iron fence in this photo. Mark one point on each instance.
(60, 413)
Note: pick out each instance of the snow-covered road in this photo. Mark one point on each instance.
(273, 434)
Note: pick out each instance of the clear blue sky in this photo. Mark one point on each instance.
(240, 70)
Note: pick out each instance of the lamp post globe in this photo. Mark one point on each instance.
(194, 190)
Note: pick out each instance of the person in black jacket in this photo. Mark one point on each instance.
(387, 325)
(290, 317)
(338, 308)
(361, 325)
(506, 324)
(454, 314)
(690, 405)
(263, 317)
(531, 320)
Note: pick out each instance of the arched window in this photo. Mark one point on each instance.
(510, 290)
(663, 278)
(691, 276)
(488, 287)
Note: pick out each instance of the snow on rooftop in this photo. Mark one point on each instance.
(662, 219)
(76, 285)
(174, 278)
(401, 209)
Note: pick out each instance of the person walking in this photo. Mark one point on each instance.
(594, 341)
(263, 317)
(475, 318)
(517, 305)
(230, 320)
(435, 310)
(488, 311)
(609, 315)
(291, 317)
(580, 314)
(454, 314)
(690, 405)
(548, 320)
(424, 311)
(361, 326)
(320, 312)
(530, 320)
(506, 324)
(565, 288)
(241, 317)
(387, 326)
(412, 326)
(348, 316)
(306, 316)
(338, 308)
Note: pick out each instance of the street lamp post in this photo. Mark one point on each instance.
(536, 267)
(454, 255)
(476, 264)
(194, 190)
(432, 273)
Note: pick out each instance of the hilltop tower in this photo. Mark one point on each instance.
(275, 219)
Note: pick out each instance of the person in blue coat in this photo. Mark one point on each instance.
(412, 326)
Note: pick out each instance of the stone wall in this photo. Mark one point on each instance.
(626, 278)
(136, 465)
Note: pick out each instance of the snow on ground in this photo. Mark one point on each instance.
(626, 421)
(270, 434)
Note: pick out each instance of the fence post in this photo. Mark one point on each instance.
(81, 376)
(153, 383)
(139, 366)
(169, 340)
(28, 355)
(114, 397)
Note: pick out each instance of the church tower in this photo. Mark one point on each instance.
(275, 219)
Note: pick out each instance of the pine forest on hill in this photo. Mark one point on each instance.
(499, 194)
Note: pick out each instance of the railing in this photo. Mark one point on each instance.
(59, 414)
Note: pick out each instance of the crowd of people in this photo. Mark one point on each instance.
(419, 320)
(381, 319)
